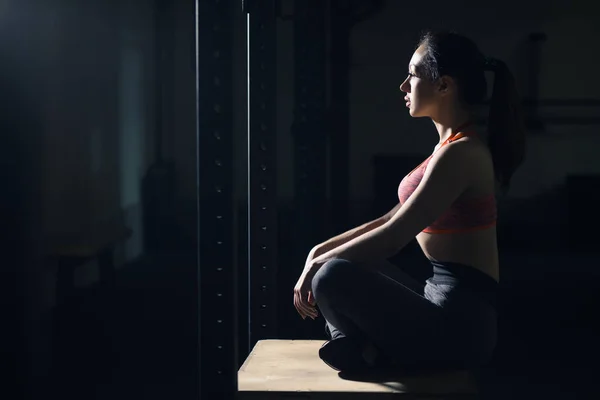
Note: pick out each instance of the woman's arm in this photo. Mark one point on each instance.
(347, 236)
(447, 176)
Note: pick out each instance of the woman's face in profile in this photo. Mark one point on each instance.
(420, 92)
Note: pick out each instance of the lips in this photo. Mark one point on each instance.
(407, 101)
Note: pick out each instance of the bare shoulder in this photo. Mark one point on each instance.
(465, 153)
(467, 163)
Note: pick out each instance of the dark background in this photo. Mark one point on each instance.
(99, 132)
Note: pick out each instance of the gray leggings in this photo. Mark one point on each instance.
(450, 321)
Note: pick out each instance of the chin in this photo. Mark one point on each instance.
(415, 113)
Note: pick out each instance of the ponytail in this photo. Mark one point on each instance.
(506, 131)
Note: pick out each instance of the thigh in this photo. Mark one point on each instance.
(390, 310)
(340, 325)
(383, 290)
(395, 273)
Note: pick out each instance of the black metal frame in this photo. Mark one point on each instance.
(219, 280)
(262, 177)
(340, 24)
(216, 214)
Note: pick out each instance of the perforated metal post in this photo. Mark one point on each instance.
(309, 128)
(217, 255)
(262, 207)
(340, 25)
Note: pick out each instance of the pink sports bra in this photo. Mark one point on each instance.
(465, 214)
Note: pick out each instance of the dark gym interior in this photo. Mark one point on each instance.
(159, 200)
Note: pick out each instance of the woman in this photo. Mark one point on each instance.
(379, 318)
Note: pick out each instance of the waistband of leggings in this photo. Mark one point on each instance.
(465, 277)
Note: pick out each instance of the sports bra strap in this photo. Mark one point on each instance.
(455, 136)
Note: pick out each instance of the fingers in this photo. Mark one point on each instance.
(313, 302)
(304, 308)
(311, 299)
(309, 311)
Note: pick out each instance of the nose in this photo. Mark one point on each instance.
(404, 86)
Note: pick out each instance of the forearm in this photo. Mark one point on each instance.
(379, 243)
(345, 237)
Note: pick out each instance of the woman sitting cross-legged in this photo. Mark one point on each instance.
(377, 316)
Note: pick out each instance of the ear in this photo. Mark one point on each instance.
(446, 85)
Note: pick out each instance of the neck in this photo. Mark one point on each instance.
(447, 123)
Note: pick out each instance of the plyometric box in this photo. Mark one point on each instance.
(291, 369)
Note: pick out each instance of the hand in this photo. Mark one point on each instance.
(304, 300)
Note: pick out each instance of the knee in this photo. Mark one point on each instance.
(331, 278)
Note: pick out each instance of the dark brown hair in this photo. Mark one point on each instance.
(451, 54)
